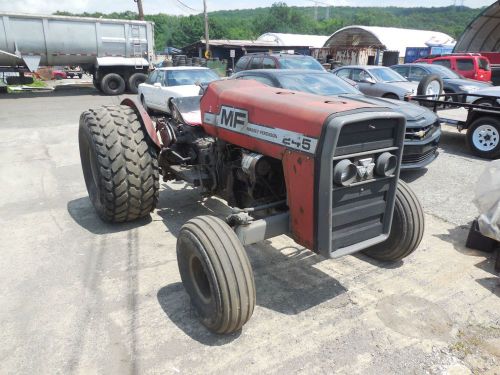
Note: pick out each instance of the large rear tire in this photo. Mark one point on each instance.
(407, 228)
(119, 163)
(113, 84)
(216, 273)
(134, 81)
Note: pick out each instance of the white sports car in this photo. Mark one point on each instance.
(164, 84)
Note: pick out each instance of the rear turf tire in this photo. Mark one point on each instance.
(407, 228)
(216, 274)
(119, 163)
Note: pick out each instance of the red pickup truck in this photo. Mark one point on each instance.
(470, 65)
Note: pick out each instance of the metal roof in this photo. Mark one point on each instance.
(294, 40)
(483, 33)
(387, 38)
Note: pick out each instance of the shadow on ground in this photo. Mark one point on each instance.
(71, 90)
(84, 214)
(285, 278)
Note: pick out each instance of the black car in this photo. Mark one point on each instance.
(423, 129)
(452, 81)
(277, 61)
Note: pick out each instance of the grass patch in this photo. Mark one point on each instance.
(36, 84)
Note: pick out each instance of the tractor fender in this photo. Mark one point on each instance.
(144, 119)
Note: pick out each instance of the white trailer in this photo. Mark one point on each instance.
(118, 53)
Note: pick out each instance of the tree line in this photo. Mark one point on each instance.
(180, 31)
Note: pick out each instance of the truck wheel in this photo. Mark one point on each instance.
(216, 273)
(483, 137)
(113, 84)
(97, 84)
(407, 228)
(119, 163)
(134, 81)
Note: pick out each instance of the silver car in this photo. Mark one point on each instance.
(378, 81)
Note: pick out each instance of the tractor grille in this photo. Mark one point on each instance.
(360, 213)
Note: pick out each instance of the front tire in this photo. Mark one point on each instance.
(483, 137)
(216, 273)
(119, 163)
(407, 228)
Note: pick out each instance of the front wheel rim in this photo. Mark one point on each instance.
(485, 138)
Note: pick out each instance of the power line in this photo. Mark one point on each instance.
(187, 6)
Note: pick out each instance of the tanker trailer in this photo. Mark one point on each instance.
(118, 53)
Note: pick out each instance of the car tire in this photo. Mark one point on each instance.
(119, 162)
(487, 102)
(483, 137)
(391, 96)
(407, 228)
(134, 81)
(113, 84)
(431, 84)
(216, 274)
(80, 76)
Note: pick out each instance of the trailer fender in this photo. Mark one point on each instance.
(144, 119)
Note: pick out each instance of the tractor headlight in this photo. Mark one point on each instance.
(386, 165)
(344, 172)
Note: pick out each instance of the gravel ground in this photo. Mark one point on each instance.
(80, 296)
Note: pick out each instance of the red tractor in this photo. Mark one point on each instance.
(323, 171)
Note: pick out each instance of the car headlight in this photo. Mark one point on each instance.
(468, 88)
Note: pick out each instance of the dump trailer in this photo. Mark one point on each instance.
(118, 53)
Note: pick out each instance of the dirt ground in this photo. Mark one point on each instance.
(80, 296)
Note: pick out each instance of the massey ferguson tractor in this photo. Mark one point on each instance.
(323, 171)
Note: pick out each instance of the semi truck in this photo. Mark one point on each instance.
(117, 53)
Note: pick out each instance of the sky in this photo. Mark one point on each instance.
(175, 7)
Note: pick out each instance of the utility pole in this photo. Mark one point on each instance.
(139, 8)
(207, 42)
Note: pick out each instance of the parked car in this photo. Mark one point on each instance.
(423, 128)
(73, 71)
(163, 84)
(477, 100)
(276, 61)
(58, 74)
(452, 81)
(378, 81)
(470, 65)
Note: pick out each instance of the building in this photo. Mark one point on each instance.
(221, 48)
(483, 35)
(372, 45)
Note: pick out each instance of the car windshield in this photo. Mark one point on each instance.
(442, 71)
(320, 84)
(190, 77)
(386, 75)
(302, 62)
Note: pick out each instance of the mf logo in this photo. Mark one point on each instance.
(233, 117)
